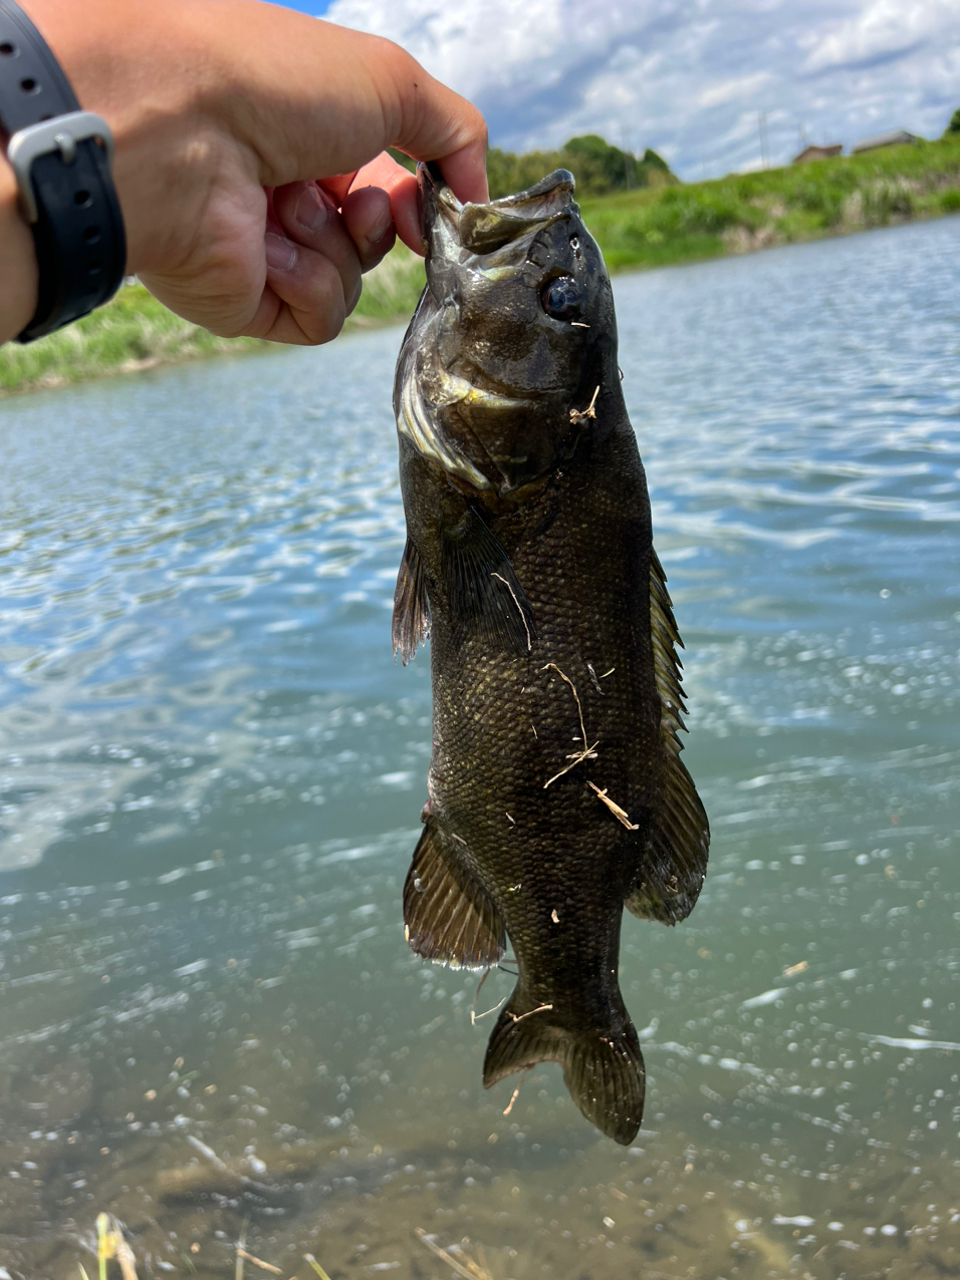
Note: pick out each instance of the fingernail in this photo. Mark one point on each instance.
(381, 228)
(313, 209)
(281, 252)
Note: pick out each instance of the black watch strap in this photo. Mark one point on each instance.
(61, 156)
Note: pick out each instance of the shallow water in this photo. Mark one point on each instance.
(211, 774)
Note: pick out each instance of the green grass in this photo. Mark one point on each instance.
(777, 206)
(657, 226)
(135, 331)
(132, 331)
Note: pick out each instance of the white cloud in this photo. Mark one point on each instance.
(735, 90)
(883, 30)
(687, 77)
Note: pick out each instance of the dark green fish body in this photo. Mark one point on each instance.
(556, 793)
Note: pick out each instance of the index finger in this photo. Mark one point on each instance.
(401, 186)
(326, 100)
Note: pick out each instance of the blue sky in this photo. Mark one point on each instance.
(316, 7)
(690, 78)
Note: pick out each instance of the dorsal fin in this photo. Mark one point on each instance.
(449, 917)
(674, 865)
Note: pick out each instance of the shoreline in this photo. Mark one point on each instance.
(637, 230)
(134, 332)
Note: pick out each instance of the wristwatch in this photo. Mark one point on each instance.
(61, 157)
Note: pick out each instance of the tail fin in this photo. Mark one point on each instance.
(603, 1069)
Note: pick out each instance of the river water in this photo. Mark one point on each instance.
(211, 775)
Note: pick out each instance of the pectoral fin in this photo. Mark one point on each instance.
(411, 607)
(483, 591)
(449, 917)
(673, 866)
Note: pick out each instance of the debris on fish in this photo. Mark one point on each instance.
(529, 561)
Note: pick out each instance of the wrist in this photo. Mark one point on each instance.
(61, 157)
(18, 262)
(119, 56)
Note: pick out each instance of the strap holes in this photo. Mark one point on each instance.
(7, 50)
(95, 270)
(81, 198)
(92, 235)
(29, 85)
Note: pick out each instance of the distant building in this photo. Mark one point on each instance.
(896, 139)
(818, 153)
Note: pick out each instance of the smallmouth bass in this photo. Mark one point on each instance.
(556, 793)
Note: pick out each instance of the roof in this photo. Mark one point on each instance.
(886, 140)
(818, 153)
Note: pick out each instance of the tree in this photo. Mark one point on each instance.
(598, 167)
(954, 125)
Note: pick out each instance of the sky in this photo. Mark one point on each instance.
(700, 81)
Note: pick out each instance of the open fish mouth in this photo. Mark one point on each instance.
(449, 226)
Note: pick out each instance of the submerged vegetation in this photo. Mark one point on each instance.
(655, 223)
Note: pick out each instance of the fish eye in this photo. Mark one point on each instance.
(560, 298)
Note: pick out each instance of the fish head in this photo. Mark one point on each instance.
(512, 351)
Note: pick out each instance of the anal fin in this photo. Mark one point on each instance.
(483, 590)
(449, 918)
(411, 607)
(603, 1069)
(673, 866)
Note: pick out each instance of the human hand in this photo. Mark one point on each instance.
(250, 159)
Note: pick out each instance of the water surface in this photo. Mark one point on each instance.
(211, 774)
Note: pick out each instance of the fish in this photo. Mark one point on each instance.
(556, 795)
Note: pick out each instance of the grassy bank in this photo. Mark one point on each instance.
(135, 331)
(750, 211)
(653, 227)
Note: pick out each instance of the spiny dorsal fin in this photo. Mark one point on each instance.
(602, 1069)
(411, 608)
(483, 590)
(674, 864)
(449, 918)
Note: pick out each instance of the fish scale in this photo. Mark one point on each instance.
(556, 793)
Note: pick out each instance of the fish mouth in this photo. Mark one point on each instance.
(448, 226)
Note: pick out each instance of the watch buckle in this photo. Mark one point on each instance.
(61, 134)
